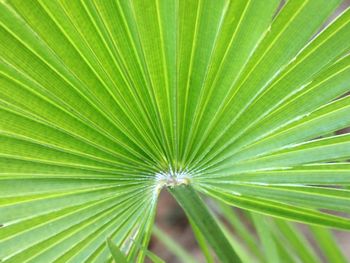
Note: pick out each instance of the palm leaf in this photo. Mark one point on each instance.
(103, 103)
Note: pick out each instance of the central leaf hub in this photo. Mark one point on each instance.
(172, 178)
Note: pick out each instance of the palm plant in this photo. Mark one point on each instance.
(104, 103)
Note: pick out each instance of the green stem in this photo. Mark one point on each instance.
(199, 214)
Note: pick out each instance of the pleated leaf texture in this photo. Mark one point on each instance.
(105, 102)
